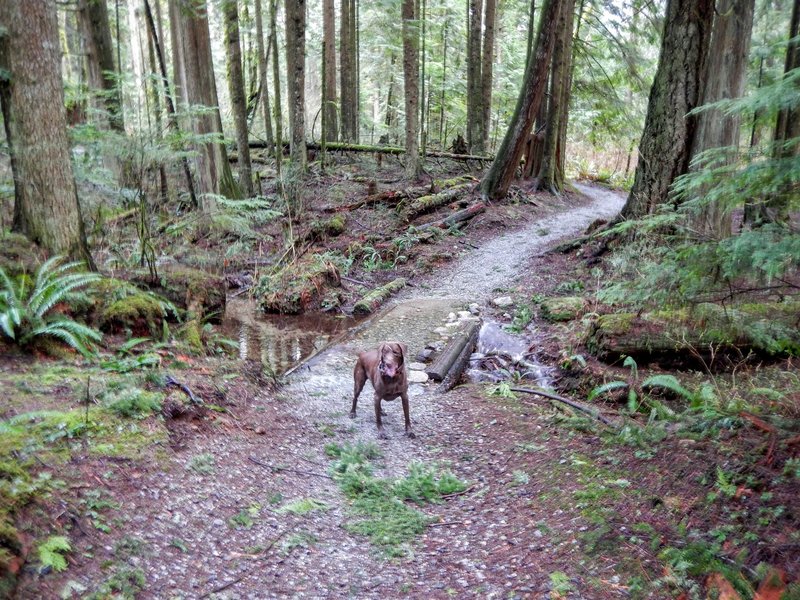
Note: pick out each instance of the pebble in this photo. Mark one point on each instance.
(503, 301)
(417, 366)
(417, 377)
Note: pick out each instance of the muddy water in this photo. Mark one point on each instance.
(280, 342)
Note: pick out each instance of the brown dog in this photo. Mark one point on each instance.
(385, 367)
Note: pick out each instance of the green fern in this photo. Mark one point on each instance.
(607, 387)
(668, 382)
(26, 306)
(52, 551)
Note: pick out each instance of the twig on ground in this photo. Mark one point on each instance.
(576, 405)
(170, 381)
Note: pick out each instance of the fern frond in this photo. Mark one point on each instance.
(6, 325)
(55, 291)
(73, 334)
(607, 387)
(668, 382)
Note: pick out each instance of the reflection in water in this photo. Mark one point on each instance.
(279, 342)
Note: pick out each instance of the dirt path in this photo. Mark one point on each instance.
(216, 525)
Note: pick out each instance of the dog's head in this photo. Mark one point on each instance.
(392, 356)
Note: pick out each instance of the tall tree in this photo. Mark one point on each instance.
(233, 56)
(99, 54)
(276, 81)
(727, 69)
(263, 67)
(411, 83)
(348, 73)
(551, 175)
(664, 149)
(329, 68)
(46, 208)
(487, 65)
(194, 80)
(474, 91)
(296, 79)
(498, 178)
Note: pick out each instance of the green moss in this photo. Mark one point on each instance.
(617, 323)
(563, 309)
(328, 227)
(291, 289)
(195, 290)
(371, 301)
(191, 333)
(18, 254)
(134, 312)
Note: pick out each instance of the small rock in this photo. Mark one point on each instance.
(503, 301)
(451, 316)
(260, 430)
(474, 308)
(416, 366)
(417, 377)
(425, 354)
(464, 314)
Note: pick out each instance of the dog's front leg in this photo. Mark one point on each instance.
(381, 433)
(406, 411)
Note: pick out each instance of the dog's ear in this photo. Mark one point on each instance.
(402, 350)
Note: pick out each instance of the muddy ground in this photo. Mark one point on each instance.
(238, 499)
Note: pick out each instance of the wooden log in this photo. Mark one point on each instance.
(373, 299)
(433, 201)
(343, 147)
(442, 365)
(462, 359)
(563, 308)
(396, 196)
(457, 217)
(771, 328)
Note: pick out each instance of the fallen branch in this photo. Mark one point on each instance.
(444, 362)
(343, 147)
(457, 217)
(276, 469)
(184, 388)
(433, 201)
(460, 363)
(576, 405)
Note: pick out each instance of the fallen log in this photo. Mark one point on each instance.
(460, 363)
(343, 147)
(770, 328)
(442, 365)
(433, 201)
(396, 196)
(457, 217)
(562, 308)
(576, 405)
(373, 299)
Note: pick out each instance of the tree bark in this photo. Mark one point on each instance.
(474, 110)
(194, 80)
(296, 79)
(46, 208)
(727, 69)
(548, 172)
(664, 149)
(411, 82)
(276, 79)
(348, 72)
(263, 69)
(99, 53)
(498, 178)
(233, 56)
(329, 67)
(487, 61)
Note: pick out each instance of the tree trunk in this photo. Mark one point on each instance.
(46, 208)
(329, 67)
(263, 69)
(296, 79)
(474, 110)
(233, 56)
(411, 82)
(276, 79)
(497, 180)
(664, 149)
(548, 171)
(348, 72)
(487, 60)
(99, 53)
(727, 68)
(194, 80)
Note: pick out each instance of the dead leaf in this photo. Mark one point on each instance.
(720, 588)
(772, 586)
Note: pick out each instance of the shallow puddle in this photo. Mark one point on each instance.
(279, 342)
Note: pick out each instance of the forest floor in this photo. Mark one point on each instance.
(272, 491)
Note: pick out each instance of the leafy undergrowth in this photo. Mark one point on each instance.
(383, 508)
(697, 479)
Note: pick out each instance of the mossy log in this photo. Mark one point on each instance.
(343, 147)
(768, 328)
(433, 201)
(373, 299)
(562, 309)
(291, 289)
(199, 292)
(458, 217)
(393, 197)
